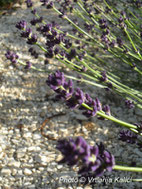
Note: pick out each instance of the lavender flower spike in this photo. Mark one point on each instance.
(21, 25)
(12, 56)
(93, 160)
(74, 98)
(128, 136)
(29, 3)
(56, 80)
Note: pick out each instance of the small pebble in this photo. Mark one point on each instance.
(27, 172)
(5, 171)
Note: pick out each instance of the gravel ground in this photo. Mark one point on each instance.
(28, 159)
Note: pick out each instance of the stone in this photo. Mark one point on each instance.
(27, 172)
(5, 171)
(59, 166)
(14, 171)
(20, 155)
(36, 136)
(27, 135)
(34, 148)
(14, 163)
(41, 159)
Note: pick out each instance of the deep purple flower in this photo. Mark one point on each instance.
(106, 158)
(106, 31)
(128, 136)
(13, 57)
(72, 103)
(34, 11)
(106, 109)
(74, 97)
(50, 53)
(98, 104)
(93, 160)
(28, 65)
(72, 54)
(67, 43)
(56, 80)
(34, 21)
(21, 25)
(102, 21)
(29, 3)
(79, 95)
(27, 33)
(91, 113)
(88, 99)
(71, 150)
(103, 78)
(44, 2)
(50, 5)
(32, 39)
(67, 91)
(56, 51)
(129, 104)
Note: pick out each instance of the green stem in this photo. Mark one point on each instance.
(109, 117)
(132, 43)
(124, 168)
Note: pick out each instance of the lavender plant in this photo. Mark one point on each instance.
(94, 49)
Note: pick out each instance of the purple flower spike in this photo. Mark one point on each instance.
(104, 76)
(27, 33)
(79, 95)
(56, 80)
(108, 160)
(92, 160)
(12, 56)
(32, 40)
(21, 25)
(50, 5)
(29, 3)
(44, 2)
(34, 21)
(74, 98)
(98, 104)
(128, 136)
(68, 90)
(106, 109)
(69, 150)
(28, 65)
(34, 11)
(129, 104)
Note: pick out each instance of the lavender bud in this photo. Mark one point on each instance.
(32, 40)
(29, 3)
(12, 57)
(34, 11)
(106, 109)
(129, 104)
(128, 136)
(21, 25)
(28, 65)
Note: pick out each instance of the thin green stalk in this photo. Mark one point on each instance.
(132, 43)
(32, 67)
(124, 168)
(109, 117)
(84, 80)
